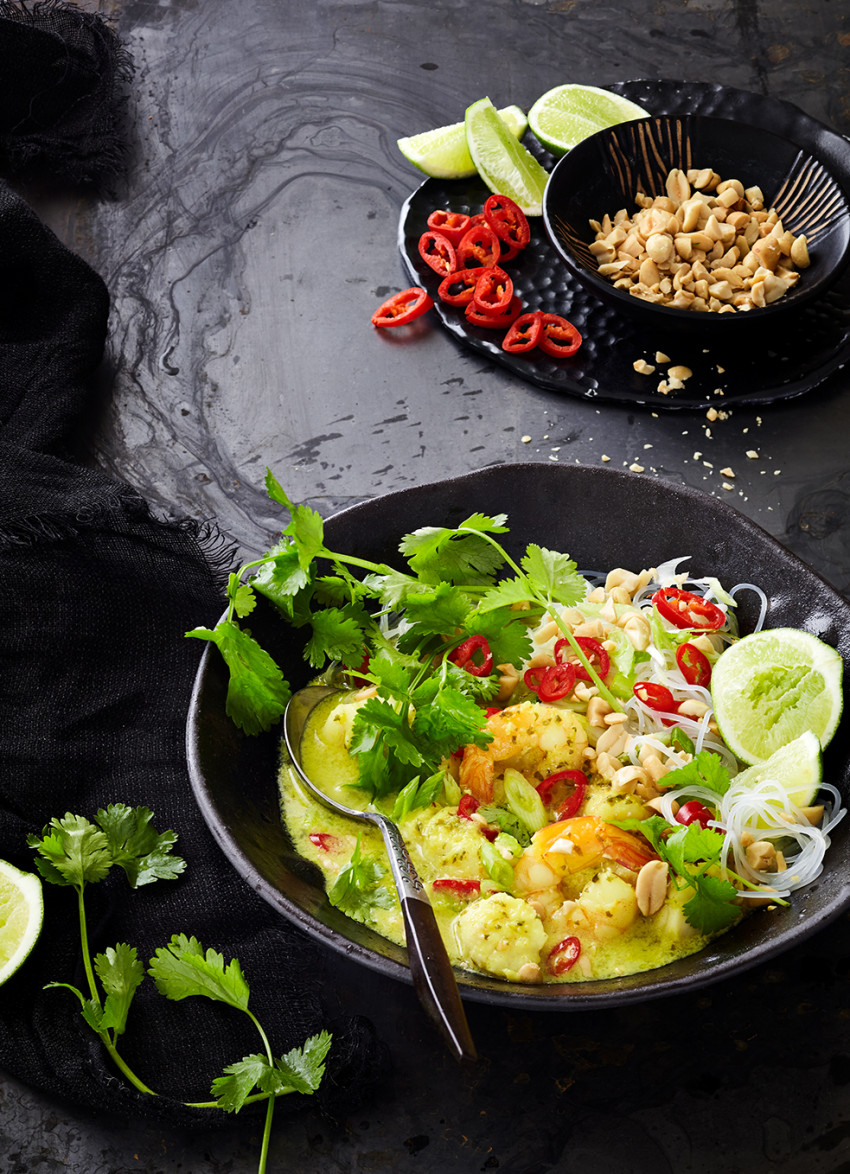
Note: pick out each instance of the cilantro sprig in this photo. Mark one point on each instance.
(76, 852)
(458, 582)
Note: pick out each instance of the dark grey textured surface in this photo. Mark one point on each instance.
(252, 239)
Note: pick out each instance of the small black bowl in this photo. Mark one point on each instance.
(606, 171)
(603, 518)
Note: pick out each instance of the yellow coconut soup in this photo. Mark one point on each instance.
(580, 899)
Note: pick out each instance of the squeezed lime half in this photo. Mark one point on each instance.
(773, 686)
(795, 767)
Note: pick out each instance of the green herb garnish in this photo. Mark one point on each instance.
(75, 852)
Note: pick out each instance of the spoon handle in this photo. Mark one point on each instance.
(430, 968)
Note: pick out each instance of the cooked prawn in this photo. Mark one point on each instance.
(533, 738)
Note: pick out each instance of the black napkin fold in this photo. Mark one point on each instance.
(61, 92)
(95, 680)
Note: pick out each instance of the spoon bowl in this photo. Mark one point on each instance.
(430, 967)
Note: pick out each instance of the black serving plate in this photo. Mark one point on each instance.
(602, 518)
(726, 371)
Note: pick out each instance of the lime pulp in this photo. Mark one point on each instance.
(565, 115)
(442, 153)
(503, 163)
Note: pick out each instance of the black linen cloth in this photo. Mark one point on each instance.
(95, 681)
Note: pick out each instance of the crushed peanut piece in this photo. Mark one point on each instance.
(715, 249)
(642, 367)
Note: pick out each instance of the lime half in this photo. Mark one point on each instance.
(21, 915)
(564, 116)
(773, 686)
(443, 154)
(503, 163)
(796, 768)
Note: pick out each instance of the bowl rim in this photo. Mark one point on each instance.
(798, 297)
(588, 995)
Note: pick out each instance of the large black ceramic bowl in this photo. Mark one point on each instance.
(604, 173)
(602, 519)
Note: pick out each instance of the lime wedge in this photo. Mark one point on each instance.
(796, 768)
(443, 154)
(562, 117)
(503, 163)
(773, 686)
(21, 915)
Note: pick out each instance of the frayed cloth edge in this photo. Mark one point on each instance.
(219, 552)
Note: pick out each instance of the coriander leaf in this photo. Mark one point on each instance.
(395, 673)
(377, 716)
(307, 531)
(654, 828)
(441, 610)
(257, 691)
(555, 575)
(136, 847)
(181, 969)
(357, 885)
(505, 594)
(231, 1090)
(336, 636)
(508, 637)
(449, 721)
(486, 524)
(711, 909)
(275, 490)
(481, 688)
(302, 1068)
(438, 554)
(705, 770)
(244, 599)
(72, 851)
(692, 844)
(120, 973)
(281, 577)
(392, 588)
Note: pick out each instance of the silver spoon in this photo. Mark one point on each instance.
(433, 978)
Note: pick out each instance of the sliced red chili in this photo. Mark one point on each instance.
(592, 649)
(494, 321)
(468, 805)
(457, 887)
(493, 291)
(694, 812)
(451, 224)
(479, 245)
(507, 220)
(684, 609)
(655, 696)
(325, 841)
(555, 792)
(558, 681)
(463, 656)
(564, 956)
(523, 334)
(558, 337)
(693, 664)
(437, 251)
(456, 289)
(533, 677)
(403, 307)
